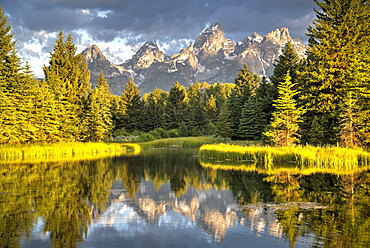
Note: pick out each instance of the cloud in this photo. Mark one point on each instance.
(121, 26)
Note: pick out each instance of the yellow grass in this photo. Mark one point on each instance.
(57, 151)
(338, 158)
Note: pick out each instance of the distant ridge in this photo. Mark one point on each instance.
(212, 58)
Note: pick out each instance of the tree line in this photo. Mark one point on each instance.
(322, 99)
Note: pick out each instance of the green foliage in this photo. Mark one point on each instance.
(183, 142)
(332, 84)
(252, 120)
(154, 105)
(287, 61)
(246, 84)
(337, 62)
(98, 111)
(175, 112)
(68, 78)
(223, 124)
(131, 108)
(284, 126)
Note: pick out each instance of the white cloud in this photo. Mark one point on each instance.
(36, 51)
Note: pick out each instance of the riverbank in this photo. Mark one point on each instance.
(90, 150)
(182, 142)
(63, 150)
(307, 156)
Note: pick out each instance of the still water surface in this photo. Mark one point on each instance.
(166, 198)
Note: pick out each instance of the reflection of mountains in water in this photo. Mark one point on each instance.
(213, 211)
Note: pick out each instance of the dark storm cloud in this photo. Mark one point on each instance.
(155, 19)
(171, 24)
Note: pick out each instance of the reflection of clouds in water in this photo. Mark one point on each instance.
(121, 224)
(120, 217)
(127, 222)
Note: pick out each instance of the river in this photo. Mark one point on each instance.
(166, 198)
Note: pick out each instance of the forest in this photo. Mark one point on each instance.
(322, 99)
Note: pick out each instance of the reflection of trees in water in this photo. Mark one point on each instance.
(65, 195)
(59, 193)
(344, 223)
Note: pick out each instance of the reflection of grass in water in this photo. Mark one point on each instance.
(183, 142)
(306, 158)
(278, 168)
(64, 151)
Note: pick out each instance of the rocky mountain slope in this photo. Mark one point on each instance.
(211, 58)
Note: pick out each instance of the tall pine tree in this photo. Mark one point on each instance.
(284, 126)
(131, 108)
(68, 78)
(287, 61)
(252, 121)
(98, 111)
(176, 107)
(246, 84)
(337, 42)
(155, 109)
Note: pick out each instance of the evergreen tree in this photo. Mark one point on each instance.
(265, 95)
(155, 109)
(223, 124)
(131, 108)
(20, 120)
(336, 44)
(9, 83)
(195, 109)
(247, 81)
(221, 92)
(246, 84)
(284, 127)
(98, 111)
(68, 78)
(45, 113)
(350, 135)
(211, 109)
(287, 61)
(176, 107)
(252, 121)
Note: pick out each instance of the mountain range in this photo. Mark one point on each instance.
(211, 58)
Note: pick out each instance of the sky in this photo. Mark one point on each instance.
(120, 27)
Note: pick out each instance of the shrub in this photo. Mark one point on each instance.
(145, 137)
(162, 133)
(155, 134)
(173, 133)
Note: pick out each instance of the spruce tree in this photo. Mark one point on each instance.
(337, 42)
(211, 109)
(17, 92)
(246, 84)
(131, 108)
(287, 61)
(155, 109)
(284, 126)
(9, 71)
(98, 111)
(265, 95)
(68, 78)
(195, 109)
(252, 121)
(176, 107)
(223, 124)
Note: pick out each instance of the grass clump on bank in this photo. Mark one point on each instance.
(41, 152)
(183, 142)
(303, 156)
